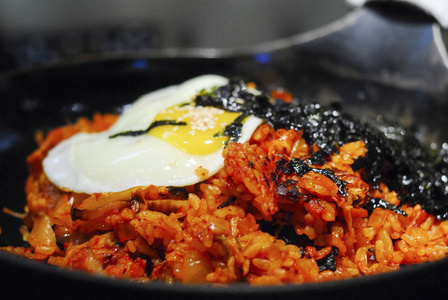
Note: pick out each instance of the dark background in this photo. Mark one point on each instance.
(41, 32)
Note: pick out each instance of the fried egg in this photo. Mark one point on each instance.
(161, 139)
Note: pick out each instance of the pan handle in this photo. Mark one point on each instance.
(435, 8)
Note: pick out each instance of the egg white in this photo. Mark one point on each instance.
(95, 163)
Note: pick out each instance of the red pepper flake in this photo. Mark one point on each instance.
(282, 95)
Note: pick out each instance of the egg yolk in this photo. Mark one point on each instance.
(202, 133)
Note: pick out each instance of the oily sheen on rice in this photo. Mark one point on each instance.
(291, 204)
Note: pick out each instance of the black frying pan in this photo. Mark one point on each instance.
(50, 96)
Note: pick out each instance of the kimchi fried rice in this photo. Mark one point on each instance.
(289, 206)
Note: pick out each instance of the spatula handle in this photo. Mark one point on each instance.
(435, 8)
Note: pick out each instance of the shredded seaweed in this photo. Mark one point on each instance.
(150, 127)
(229, 201)
(233, 131)
(286, 232)
(329, 261)
(381, 203)
(300, 167)
(288, 189)
(395, 156)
